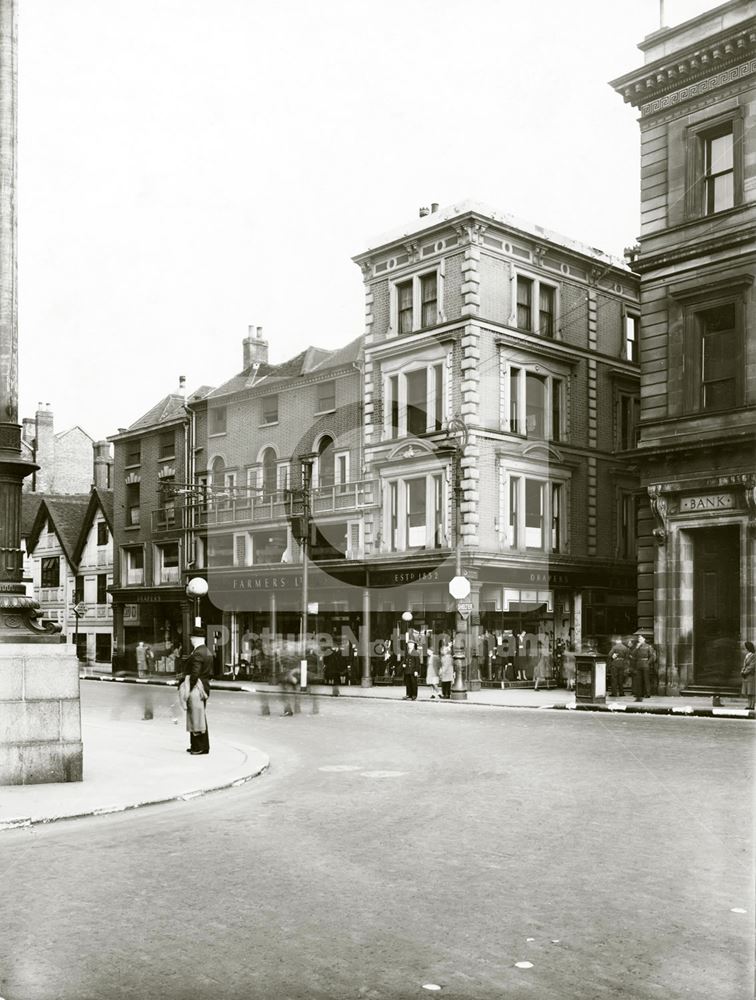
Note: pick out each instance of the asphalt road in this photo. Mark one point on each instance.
(397, 845)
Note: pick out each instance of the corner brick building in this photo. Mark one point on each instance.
(514, 349)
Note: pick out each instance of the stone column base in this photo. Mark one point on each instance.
(40, 715)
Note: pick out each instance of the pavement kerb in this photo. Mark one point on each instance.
(616, 708)
(17, 822)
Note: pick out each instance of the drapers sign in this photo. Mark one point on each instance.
(710, 501)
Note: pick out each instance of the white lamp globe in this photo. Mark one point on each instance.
(197, 587)
(407, 616)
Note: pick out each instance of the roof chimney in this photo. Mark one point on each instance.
(182, 386)
(103, 465)
(434, 207)
(423, 212)
(255, 348)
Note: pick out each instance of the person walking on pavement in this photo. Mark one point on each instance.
(642, 658)
(431, 674)
(447, 671)
(748, 673)
(198, 667)
(618, 655)
(290, 688)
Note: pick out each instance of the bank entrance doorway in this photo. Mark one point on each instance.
(716, 606)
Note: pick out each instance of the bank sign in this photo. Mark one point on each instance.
(708, 502)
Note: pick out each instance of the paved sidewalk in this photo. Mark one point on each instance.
(554, 698)
(128, 764)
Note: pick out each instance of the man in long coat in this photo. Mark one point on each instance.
(198, 666)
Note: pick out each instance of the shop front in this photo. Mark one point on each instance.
(527, 613)
(155, 618)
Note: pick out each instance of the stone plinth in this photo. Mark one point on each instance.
(40, 718)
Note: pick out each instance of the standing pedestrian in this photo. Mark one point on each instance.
(641, 660)
(568, 668)
(447, 670)
(618, 656)
(431, 673)
(500, 665)
(542, 671)
(141, 659)
(198, 667)
(748, 673)
(411, 671)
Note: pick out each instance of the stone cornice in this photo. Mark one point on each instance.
(683, 251)
(707, 64)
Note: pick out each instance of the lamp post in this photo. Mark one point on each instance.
(301, 528)
(459, 587)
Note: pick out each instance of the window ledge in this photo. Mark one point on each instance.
(323, 413)
(132, 527)
(217, 434)
(272, 423)
(134, 465)
(167, 458)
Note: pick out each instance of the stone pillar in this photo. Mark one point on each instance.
(40, 725)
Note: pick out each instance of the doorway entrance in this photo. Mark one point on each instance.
(716, 606)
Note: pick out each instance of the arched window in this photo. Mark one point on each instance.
(325, 462)
(269, 471)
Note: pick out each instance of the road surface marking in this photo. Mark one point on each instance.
(426, 986)
(737, 909)
(524, 965)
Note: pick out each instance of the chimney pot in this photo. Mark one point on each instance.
(254, 348)
(423, 212)
(434, 206)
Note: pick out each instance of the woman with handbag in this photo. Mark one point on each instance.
(748, 673)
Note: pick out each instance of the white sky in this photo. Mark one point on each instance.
(190, 167)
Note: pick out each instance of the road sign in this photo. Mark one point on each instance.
(312, 608)
(459, 587)
(80, 609)
(464, 608)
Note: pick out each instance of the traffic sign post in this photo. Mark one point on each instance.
(78, 610)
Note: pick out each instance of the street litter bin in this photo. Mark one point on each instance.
(590, 679)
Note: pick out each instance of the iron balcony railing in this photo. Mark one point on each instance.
(265, 508)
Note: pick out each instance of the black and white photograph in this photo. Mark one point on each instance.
(378, 424)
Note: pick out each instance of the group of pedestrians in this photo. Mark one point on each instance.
(636, 658)
(439, 671)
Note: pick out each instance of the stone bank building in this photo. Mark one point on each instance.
(696, 94)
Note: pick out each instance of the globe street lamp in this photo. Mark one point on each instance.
(197, 588)
(459, 586)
